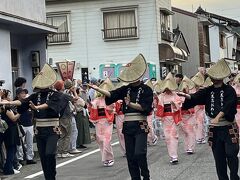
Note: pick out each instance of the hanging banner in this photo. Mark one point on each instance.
(66, 69)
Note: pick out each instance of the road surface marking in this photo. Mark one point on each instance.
(68, 162)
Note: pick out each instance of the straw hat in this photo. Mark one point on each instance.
(120, 84)
(169, 83)
(236, 80)
(134, 70)
(186, 83)
(107, 85)
(208, 82)
(68, 84)
(149, 84)
(219, 71)
(198, 79)
(157, 86)
(46, 78)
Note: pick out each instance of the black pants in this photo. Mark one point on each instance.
(136, 151)
(47, 146)
(225, 149)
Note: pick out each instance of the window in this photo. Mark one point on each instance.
(222, 40)
(166, 33)
(61, 21)
(120, 24)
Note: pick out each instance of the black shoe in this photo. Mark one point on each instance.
(82, 147)
(31, 162)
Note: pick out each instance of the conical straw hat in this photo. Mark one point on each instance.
(207, 82)
(120, 84)
(198, 79)
(186, 83)
(149, 84)
(107, 85)
(134, 70)
(157, 86)
(219, 71)
(236, 80)
(46, 78)
(169, 83)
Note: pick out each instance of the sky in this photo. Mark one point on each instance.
(227, 8)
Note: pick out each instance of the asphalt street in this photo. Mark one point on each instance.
(88, 166)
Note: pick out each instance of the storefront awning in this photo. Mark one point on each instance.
(171, 53)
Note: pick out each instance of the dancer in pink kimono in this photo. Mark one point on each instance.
(168, 109)
(188, 119)
(198, 79)
(119, 119)
(236, 86)
(152, 138)
(101, 115)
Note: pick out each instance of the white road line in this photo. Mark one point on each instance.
(68, 162)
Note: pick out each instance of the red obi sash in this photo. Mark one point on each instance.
(176, 115)
(95, 115)
(118, 107)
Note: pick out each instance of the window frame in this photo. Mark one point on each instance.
(222, 40)
(120, 9)
(66, 14)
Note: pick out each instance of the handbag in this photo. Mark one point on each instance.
(3, 126)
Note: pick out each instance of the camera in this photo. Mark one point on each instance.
(2, 82)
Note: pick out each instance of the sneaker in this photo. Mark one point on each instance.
(15, 171)
(75, 151)
(18, 167)
(66, 155)
(108, 163)
(59, 155)
(203, 141)
(174, 161)
(154, 142)
(31, 162)
(22, 162)
(189, 151)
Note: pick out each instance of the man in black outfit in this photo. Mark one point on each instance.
(137, 105)
(220, 102)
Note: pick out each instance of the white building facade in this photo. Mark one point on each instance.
(23, 32)
(105, 32)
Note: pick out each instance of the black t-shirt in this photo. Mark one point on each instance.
(222, 99)
(56, 102)
(141, 94)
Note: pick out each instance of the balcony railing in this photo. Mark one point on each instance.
(167, 35)
(62, 37)
(120, 33)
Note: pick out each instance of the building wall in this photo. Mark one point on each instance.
(189, 27)
(31, 43)
(214, 43)
(5, 63)
(30, 9)
(87, 45)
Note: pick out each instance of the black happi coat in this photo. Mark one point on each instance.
(142, 94)
(222, 99)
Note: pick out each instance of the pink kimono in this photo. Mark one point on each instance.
(169, 123)
(119, 118)
(188, 128)
(200, 129)
(237, 116)
(104, 128)
(152, 138)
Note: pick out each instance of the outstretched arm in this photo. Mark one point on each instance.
(104, 92)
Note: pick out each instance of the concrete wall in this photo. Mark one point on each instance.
(189, 27)
(30, 9)
(31, 43)
(87, 45)
(5, 63)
